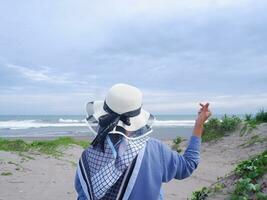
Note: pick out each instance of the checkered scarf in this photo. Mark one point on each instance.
(105, 168)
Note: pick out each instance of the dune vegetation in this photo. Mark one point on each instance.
(51, 147)
(246, 180)
(216, 128)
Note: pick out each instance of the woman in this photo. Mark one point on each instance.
(123, 162)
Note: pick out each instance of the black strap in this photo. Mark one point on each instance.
(109, 121)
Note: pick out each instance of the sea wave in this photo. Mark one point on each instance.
(165, 123)
(61, 120)
(25, 124)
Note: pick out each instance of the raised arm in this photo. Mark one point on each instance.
(181, 166)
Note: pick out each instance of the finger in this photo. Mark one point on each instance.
(201, 105)
(206, 106)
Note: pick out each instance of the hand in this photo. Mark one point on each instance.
(203, 114)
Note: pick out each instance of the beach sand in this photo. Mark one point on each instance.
(38, 176)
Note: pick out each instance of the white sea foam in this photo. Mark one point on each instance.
(25, 124)
(166, 123)
(69, 120)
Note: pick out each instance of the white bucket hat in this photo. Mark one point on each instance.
(120, 113)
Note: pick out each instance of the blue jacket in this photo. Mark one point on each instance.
(156, 164)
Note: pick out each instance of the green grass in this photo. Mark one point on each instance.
(261, 116)
(6, 174)
(14, 145)
(51, 147)
(215, 128)
(251, 122)
(253, 140)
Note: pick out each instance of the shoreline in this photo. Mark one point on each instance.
(47, 138)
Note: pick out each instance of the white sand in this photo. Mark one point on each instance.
(42, 178)
(46, 177)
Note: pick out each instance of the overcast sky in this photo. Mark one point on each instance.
(56, 55)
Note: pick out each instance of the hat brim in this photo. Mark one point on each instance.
(144, 119)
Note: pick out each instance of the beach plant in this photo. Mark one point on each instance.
(251, 122)
(216, 128)
(248, 126)
(206, 192)
(248, 117)
(176, 144)
(244, 189)
(53, 147)
(252, 168)
(201, 194)
(50, 147)
(261, 116)
(14, 145)
(249, 171)
(6, 174)
(229, 124)
(218, 187)
(253, 140)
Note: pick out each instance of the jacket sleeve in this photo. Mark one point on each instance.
(78, 188)
(179, 166)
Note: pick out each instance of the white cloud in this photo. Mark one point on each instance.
(46, 74)
(173, 102)
(43, 74)
(155, 101)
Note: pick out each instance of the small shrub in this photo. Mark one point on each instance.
(176, 144)
(249, 171)
(248, 117)
(229, 124)
(252, 168)
(216, 128)
(6, 174)
(251, 122)
(200, 194)
(244, 188)
(218, 187)
(261, 116)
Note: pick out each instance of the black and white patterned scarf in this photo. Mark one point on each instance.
(103, 169)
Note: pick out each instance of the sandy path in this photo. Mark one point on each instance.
(48, 178)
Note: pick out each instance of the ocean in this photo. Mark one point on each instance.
(165, 127)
